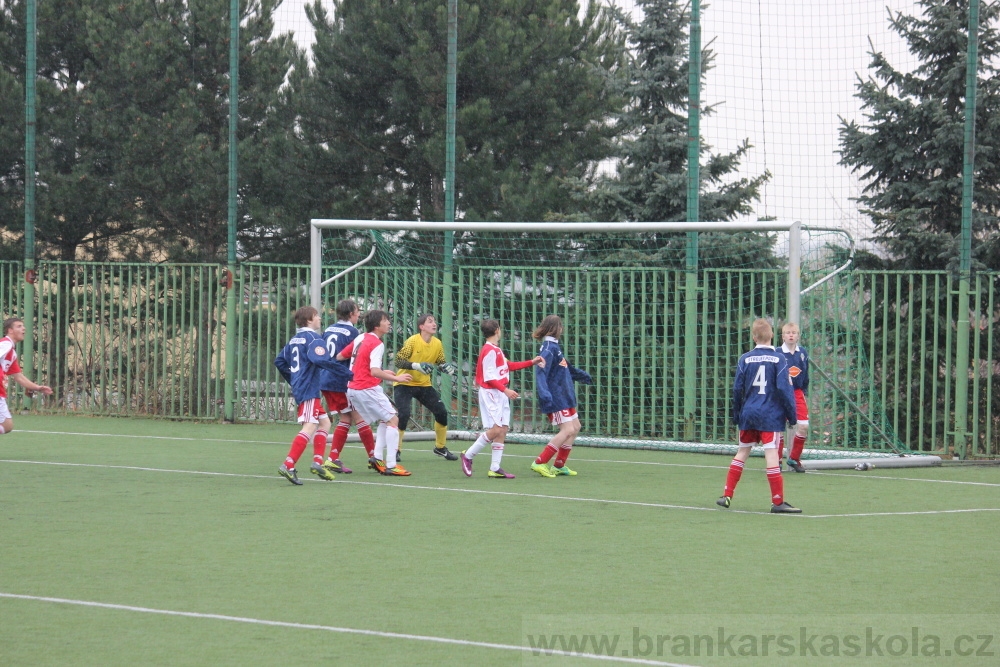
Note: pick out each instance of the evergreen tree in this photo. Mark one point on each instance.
(77, 203)
(532, 106)
(909, 151)
(650, 183)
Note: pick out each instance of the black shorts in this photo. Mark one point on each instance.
(403, 394)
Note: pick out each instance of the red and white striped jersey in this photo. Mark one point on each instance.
(366, 352)
(493, 369)
(8, 363)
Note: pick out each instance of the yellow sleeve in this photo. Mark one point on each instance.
(440, 351)
(404, 354)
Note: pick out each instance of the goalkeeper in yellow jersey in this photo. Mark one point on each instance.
(420, 355)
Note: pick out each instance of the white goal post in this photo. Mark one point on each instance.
(793, 228)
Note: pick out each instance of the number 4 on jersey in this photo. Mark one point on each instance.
(760, 380)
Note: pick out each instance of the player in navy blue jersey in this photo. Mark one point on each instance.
(556, 397)
(798, 370)
(762, 404)
(334, 387)
(300, 362)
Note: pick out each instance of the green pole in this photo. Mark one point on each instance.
(447, 297)
(31, 67)
(234, 87)
(693, 214)
(965, 258)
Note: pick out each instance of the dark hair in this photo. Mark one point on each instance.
(304, 315)
(345, 309)
(373, 318)
(550, 326)
(489, 327)
(423, 318)
(9, 322)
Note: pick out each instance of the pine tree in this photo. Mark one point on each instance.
(532, 106)
(909, 150)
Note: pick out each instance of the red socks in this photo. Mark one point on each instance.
(777, 485)
(367, 438)
(733, 478)
(339, 440)
(299, 444)
(546, 454)
(319, 446)
(561, 456)
(798, 444)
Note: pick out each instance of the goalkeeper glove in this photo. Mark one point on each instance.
(423, 367)
(448, 367)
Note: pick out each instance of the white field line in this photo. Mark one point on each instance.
(518, 456)
(342, 480)
(349, 631)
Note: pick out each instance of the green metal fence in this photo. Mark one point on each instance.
(117, 338)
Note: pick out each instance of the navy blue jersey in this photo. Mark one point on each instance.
(762, 393)
(337, 337)
(554, 383)
(300, 361)
(798, 367)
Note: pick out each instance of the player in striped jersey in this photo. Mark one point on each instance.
(14, 332)
(365, 392)
(762, 404)
(493, 378)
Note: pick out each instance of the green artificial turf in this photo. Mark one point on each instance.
(633, 549)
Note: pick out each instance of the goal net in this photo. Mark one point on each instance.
(658, 313)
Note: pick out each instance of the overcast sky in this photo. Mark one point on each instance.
(785, 71)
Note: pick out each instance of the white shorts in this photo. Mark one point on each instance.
(562, 417)
(372, 403)
(4, 410)
(494, 408)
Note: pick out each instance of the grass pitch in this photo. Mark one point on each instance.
(150, 542)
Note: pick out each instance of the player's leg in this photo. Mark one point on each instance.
(491, 414)
(7, 423)
(569, 426)
(801, 430)
(402, 396)
(309, 418)
(319, 446)
(747, 439)
(431, 399)
(771, 447)
(496, 472)
(387, 438)
(336, 403)
(572, 429)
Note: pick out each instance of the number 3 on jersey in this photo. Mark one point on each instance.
(760, 381)
(294, 368)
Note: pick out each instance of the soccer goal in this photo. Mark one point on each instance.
(657, 312)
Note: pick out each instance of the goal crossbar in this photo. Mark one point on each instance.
(794, 229)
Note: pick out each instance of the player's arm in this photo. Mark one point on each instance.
(738, 393)
(320, 356)
(30, 386)
(346, 353)
(282, 365)
(389, 376)
(402, 359)
(519, 365)
(580, 375)
(786, 395)
(542, 391)
(805, 372)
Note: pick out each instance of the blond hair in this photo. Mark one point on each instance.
(788, 325)
(761, 331)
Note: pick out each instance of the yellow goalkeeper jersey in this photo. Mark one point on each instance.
(416, 351)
